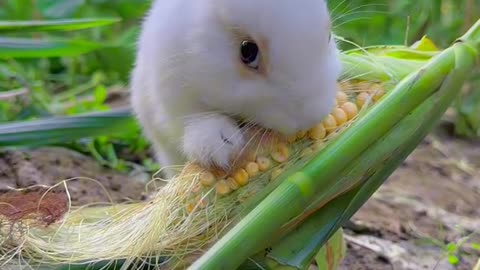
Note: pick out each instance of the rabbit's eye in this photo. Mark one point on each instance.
(250, 54)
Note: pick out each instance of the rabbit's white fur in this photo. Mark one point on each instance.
(186, 80)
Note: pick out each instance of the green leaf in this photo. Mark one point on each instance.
(59, 8)
(451, 247)
(425, 44)
(452, 259)
(100, 94)
(27, 48)
(54, 25)
(468, 121)
(331, 255)
(66, 129)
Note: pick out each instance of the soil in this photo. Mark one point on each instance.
(87, 182)
(430, 201)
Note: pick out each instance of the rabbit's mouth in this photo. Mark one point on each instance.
(252, 128)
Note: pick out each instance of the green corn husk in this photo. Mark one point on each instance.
(298, 248)
(297, 190)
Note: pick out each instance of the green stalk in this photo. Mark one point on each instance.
(299, 247)
(472, 36)
(298, 190)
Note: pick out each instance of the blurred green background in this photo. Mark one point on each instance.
(37, 87)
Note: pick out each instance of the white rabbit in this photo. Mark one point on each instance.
(201, 63)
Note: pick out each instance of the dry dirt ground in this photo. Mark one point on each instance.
(432, 200)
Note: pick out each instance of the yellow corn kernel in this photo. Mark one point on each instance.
(301, 134)
(350, 109)
(340, 116)
(280, 153)
(345, 85)
(232, 183)
(363, 85)
(252, 169)
(241, 177)
(362, 98)
(377, 93)
(276, 172)
(264, 163)
(190, 207)
(318, 132)
(330, 123)
(341, 97)
(222, 187)
(207, 179)
(292, 138)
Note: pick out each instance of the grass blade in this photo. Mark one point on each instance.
(28, 48)
(61, 129)
(54, 25)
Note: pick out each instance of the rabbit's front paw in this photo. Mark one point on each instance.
(212, 140)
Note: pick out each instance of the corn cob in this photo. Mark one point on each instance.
(273, 158)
